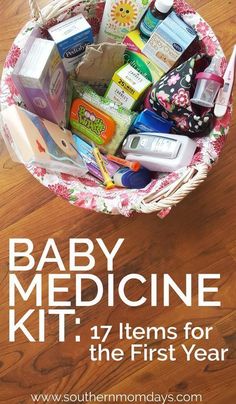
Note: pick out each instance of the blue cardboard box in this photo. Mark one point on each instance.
(71, 37)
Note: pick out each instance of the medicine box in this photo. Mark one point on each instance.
(134, 41)
(127, 86)
(40, 78)
(71, 37)
(143, 65)
(134, 56)
(169, 41)
(35, 141)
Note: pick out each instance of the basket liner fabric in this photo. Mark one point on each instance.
(86, 192)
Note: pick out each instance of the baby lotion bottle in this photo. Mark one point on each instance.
(156, 13)
(121, 17)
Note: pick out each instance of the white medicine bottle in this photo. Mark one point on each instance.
(155, 14)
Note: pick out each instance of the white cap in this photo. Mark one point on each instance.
(164, 5)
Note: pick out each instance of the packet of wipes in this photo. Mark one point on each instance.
(122, 117)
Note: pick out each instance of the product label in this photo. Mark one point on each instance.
(168, 41)
(119, 95)
(134, 41)
(162, 52)
(143, 65)
(69, 28)
(119, 177)
(56, 84)
(72, 45)
(138, 64)
(40, 102)
(72, 55)
(166, 148)
(75, 51)
(124, 16)
(134, 79)
(149, 23)
(127, 86)
(90, 121)
(89, 124)
(52, 147)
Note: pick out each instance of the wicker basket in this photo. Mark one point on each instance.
(162, 193)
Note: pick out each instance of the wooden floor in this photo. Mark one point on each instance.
(198, 236)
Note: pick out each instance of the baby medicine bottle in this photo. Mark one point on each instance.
(155, 14)
(209, 83)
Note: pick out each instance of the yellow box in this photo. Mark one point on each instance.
(127, 86)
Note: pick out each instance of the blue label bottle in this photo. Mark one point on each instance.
(156, 13)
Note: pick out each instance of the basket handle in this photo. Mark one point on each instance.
(35, 10)
(174, 194)
(52, 10)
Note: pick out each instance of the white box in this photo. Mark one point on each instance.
(71, 37)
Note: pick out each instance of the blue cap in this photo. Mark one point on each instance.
(135, 179)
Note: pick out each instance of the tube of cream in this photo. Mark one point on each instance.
(223, 97)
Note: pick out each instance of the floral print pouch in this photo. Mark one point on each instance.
(171, 96)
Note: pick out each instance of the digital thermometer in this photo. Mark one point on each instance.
(159, 151)
(156, 146)
(224, 94)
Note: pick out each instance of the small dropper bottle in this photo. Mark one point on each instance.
(156, 13)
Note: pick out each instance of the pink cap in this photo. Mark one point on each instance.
(210, 76)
